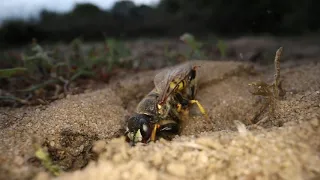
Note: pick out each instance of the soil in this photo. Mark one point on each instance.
(83, 132)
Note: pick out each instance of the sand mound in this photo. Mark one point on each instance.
(283, 146)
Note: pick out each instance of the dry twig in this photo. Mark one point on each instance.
(271, 92)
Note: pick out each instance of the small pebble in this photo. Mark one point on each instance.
(42, 176)
(52, 143)
(177, 169)
(99, 146)
(157, 159)
(81, 148)
(315, 122)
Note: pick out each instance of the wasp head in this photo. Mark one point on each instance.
(138, 128)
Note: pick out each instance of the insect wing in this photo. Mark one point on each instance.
(163, 79)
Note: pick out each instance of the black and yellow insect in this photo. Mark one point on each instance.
(179, 83)
(161, 110)
(146, 123)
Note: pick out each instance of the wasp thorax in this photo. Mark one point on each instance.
(161, 109)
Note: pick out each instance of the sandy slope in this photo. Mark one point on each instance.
(286, 146)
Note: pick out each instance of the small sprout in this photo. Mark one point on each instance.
(187, 37)
(190, 40)
(222, 47)
(46, 161)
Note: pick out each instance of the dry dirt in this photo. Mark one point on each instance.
(83, 133)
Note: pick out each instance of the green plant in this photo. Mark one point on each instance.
(43, 72)
(195, 46)
(11, 72)
(222, 47)
(46, 161)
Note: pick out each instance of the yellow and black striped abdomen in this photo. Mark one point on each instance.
(179, 85)
(187, 85)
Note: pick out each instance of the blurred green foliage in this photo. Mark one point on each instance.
(222, 47)
(195, 46)
(169, 18)
(44, 157)
(7, 73)
(44, 70)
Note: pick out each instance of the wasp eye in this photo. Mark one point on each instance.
(145, 131)
(145, 128)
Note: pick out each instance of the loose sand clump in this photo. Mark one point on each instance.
(226, 155)
(67, 127)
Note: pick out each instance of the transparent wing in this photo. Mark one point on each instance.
(163, 79)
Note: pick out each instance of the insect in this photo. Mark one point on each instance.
(161, 110)
(179, 82)
(145, 123)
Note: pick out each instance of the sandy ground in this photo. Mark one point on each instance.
(83, 132)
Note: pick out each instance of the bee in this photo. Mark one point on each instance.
(162, 109)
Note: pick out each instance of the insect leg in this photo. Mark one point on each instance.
(154, 131)
(179, 107)
(192, 81)
(181, 104)
(202, 110)
(168, 130)
(175, 112)
(182, 101)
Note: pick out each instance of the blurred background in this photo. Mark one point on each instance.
(45, 20)
(49, 49)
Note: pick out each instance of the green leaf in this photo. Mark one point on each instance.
(13, 98)
(7, 73)
(81, 73)
(38, 86)
(60, 64)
